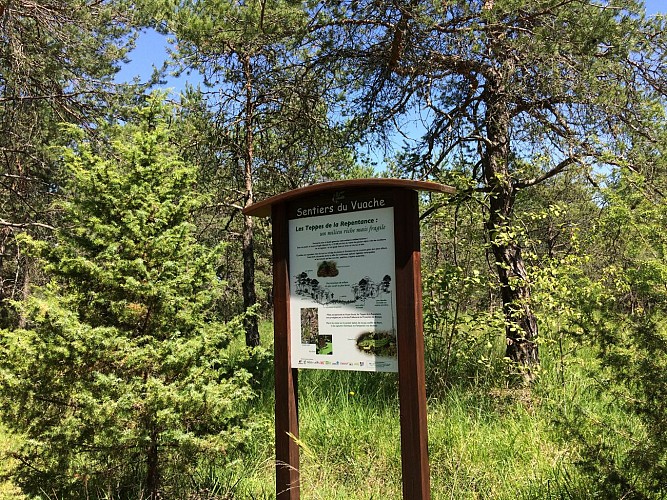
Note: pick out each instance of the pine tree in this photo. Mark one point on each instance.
(268, 110)
(123, 375)
(519, 91)
(57, 61)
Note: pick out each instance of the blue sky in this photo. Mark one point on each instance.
(655, 6)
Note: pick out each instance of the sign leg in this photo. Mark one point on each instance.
(286, 377)
(412, 384)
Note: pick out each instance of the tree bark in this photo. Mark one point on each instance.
(521, 325)
(25, 289)
(152, 469)
(5, 233)
(249, 293)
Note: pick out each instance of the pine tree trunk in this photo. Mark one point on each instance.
(152, 469)
(521, 325)
(25, 289)
(249, 293)
(5, 233)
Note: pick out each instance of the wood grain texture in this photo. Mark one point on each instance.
(286, 390)
(410, 338)
(263, 208)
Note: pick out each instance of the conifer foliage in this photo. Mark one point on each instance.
(124, 377)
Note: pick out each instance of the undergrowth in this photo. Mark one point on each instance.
(486, 440)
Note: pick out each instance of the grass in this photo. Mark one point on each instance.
(486, 441)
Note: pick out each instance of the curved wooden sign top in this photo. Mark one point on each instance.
(263, 208)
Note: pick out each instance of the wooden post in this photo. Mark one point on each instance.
(286, 406)
(411, 377)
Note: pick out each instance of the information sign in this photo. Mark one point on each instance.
(342, 284)
(342, 252)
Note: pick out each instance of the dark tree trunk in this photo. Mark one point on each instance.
(521, 324)
(25, 289)
(152, 469)
(249, 294)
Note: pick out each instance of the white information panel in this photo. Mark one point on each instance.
(342, 287)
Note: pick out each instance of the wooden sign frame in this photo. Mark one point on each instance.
(409, 329)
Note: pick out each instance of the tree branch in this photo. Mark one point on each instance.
(25, 225)
(547, 175)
